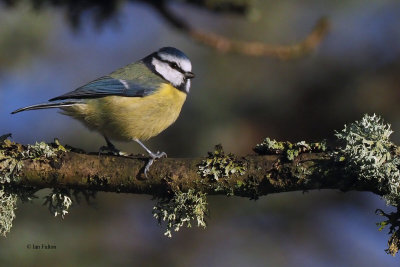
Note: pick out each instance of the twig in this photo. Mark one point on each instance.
(226, 45)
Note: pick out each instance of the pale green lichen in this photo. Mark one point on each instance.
(393, 220)
(12, 156)
(368, 153)
(9, 168)
(60, 199)
(11, 162)
(8, 201)
(181, 210)
(8, 204)
(42, 149)
(218, 165)
(58, 202)
(290, 150)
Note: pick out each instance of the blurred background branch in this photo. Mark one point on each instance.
(284, 52)
(106, 10)
(226, 45)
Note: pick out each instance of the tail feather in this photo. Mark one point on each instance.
(47, 105)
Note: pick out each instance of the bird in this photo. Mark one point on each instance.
(133, 103)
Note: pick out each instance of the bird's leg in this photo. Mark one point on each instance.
(153, 156)
(111, 148)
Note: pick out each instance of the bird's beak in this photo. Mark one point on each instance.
(189, 75)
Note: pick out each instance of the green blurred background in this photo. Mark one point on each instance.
(235, 100)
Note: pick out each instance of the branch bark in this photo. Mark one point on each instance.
(263, 175)
(301, 168)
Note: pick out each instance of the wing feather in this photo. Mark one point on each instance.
(108, 86)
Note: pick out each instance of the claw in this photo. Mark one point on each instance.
(147, 168)
(158, 155)
(153, 157)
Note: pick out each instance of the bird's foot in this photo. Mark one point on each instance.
(153, 156)
(158, 155)
(113, 150)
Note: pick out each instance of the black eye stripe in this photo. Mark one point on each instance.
(171, 64)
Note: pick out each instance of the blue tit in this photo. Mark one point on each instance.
(135, 102)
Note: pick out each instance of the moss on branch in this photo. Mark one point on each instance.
(366, 160)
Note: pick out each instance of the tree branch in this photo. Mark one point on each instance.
(226, 45)
(366, 161)
(269, 174)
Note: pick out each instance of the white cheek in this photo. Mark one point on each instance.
(187, 86)
(171, 75)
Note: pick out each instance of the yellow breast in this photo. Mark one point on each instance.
(126, 118)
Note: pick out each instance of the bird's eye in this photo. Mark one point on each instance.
(174, 65)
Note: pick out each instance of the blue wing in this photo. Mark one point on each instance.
(107, 86)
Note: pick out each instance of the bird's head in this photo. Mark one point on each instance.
(174, 66)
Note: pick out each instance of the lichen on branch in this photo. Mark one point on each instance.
(368, 153)
(12, 156)
(393, 221)
(181, 210)
(290, 150)
(366, 160)
(8, 204)
(218, 165)
(58, 202)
